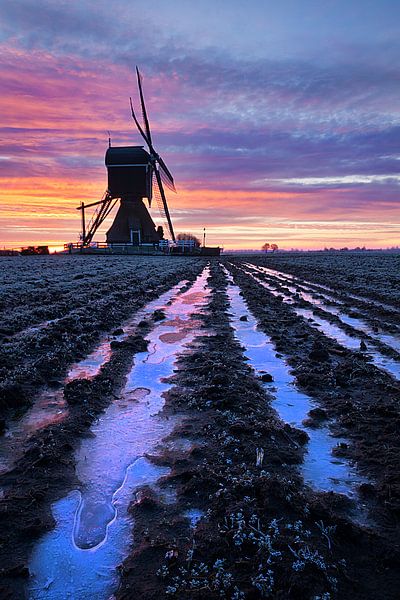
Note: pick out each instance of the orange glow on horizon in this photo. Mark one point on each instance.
(43, 211)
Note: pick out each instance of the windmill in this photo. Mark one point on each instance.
(134, 174)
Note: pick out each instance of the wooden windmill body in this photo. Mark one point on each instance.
(133, 172)
(130, 179)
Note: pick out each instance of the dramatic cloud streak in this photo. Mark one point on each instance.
(282, 129)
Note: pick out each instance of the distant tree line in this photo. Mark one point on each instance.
(345, 249)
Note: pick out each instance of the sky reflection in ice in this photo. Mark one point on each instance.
(92, 534)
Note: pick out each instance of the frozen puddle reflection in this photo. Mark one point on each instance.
(381, 361)
(91, 365)
(335, 332)
(320, 468)
(50, 408)
(319, 286)
(320, 300)
(93, 530)
(64, 570)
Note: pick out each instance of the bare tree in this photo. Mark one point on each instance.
(266, 247)
(188, 236)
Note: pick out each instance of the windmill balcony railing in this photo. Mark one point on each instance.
(79, 245)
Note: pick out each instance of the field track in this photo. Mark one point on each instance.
(223, 429)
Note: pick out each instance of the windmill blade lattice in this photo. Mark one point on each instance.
(138, 125)
(166, 180)
(144, 112)
(160, 206)
(145, 132)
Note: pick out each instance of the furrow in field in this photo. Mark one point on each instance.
(333, 292)
(336, 331)
(33, 329)
(38, 290)
(91, 365)
(299, 284)
(362, 400)
(321, 468)
(359, 325)
(49, 406)
(307, 290)
(93, 529)
(42, 356)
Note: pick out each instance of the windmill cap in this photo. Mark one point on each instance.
(126, 155)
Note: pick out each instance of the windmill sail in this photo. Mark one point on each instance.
(144, 112)
(164, 203)
(160, 169)
(166, 181)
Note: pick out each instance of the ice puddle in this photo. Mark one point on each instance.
(352, 342)
(320, 469)
(78, 559)
(319, 286)
(49, 407)
(309, 295)
(91, 365)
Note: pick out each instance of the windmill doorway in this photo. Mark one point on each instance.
(136, 237)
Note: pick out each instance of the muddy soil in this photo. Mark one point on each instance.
(370, 325)
(81, 300)
(378, 315)
(374, 275)
(243, 524)
(46, 470)
(362, 399)
(233, 519)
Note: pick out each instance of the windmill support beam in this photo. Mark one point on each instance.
(82, 208)
(104, 208)
(82, 205)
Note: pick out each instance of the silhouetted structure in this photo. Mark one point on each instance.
(131, 170)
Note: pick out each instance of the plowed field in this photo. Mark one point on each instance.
(183, 428)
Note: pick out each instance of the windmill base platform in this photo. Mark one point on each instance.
(142, 250)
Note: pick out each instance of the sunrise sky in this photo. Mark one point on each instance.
(279, 120)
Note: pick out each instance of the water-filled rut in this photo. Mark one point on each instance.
(325, 289)
(336, 331)
(326, 301)
(49, 406)
(321, 469)
(78, 559)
